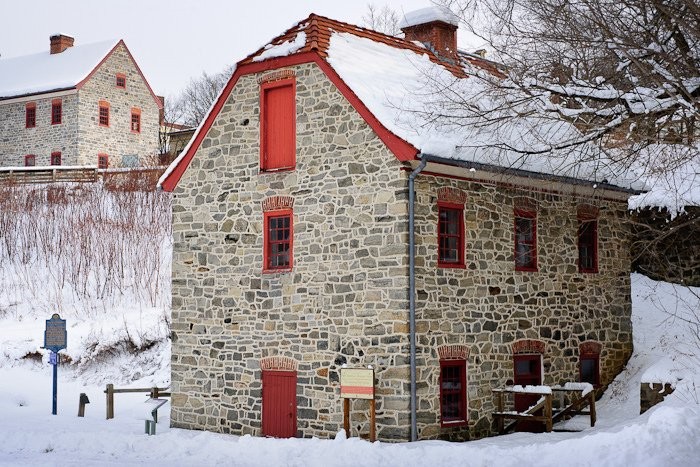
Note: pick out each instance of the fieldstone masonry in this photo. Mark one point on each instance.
(346, 299)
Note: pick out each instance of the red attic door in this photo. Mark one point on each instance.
(279, 404)
(527, 370)
(278, 125)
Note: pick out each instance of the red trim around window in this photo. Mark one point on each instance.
(121, 80)
(56, 158)
(525, 244)
(450, 230)
(135, 120)
(29, 160)
(588, 245)
(56, 112)
(453, 393)
(102, 161)
(281, 116)
(30, 115)
(274, 247)
(103, 114)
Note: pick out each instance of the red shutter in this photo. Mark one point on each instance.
(279, 404)
(278, 125)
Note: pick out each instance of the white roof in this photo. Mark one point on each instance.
(428, 15)
(44, 72)
(400, 87)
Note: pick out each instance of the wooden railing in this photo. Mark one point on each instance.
(543, 410)
(154, 393)
(48, 174)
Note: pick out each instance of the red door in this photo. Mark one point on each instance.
(527, 370)
(279, 404)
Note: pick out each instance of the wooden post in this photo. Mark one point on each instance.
(372, 421)
(499, 408)
(548, 412)
(81, 404)
(110, 401)
(591, 396)
(346, 416)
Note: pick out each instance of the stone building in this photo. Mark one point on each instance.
(77, 105)
(291, 224)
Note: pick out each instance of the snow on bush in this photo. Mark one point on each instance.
(98, 256)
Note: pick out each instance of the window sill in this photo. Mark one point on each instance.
(451, 266)
(275, 271)
(517, 269)
(588, 271)
(274, 171)
(455, 423)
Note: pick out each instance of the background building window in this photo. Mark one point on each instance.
(450, 235)
(525, 241)
(55, 158)
(278, 125)
(135, 120)
(453, 391)
(30, 116)
(121, 80)
(102, 161)
(56, 112)
(279, 234)
(104, 113)
(29, 160)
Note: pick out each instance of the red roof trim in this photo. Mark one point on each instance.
(94, 70)
(400, 148)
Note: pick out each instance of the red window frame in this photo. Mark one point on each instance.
(103, 114)
(273, 245)
(266, 162)
(121, 81)
(522, 243)
(30, 160)
(135, 120)
(595, 358)
(453, 399)
(447, 235)
(56, 158)
(56, 112)
(102, 161)
(588, 245)
(30, 115)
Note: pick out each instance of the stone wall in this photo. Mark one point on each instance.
(17, 141)
(487, 306)
(345, 301)
(117, 140)
(651, 394)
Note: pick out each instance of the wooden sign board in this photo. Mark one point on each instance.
(357, 383)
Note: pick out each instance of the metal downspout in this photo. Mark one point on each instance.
(412, 288)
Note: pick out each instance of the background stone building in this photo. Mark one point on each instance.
(291, 259)
(82, 105)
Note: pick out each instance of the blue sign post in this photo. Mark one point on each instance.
(55, 338)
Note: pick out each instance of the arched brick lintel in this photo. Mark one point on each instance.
(529, 346)
(278, 363)
(275, 203)
(590, 348)
(451, 195)
(453, 352)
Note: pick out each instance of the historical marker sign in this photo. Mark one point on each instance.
(357, 383)
(55, 336)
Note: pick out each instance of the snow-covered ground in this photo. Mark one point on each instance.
(666, 347)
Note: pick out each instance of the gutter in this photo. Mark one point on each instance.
(412, 286)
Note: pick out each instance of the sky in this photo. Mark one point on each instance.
(171, 40)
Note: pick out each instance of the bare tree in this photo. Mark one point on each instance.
(382, 19)
(194, 101)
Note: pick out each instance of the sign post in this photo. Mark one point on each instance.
(358, 383)
(55, 337)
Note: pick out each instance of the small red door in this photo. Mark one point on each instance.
(279, 404)
(527, 370)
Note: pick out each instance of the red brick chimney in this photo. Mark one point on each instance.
(435, 27)
(59, 43)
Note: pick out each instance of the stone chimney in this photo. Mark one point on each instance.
(435, 27)
(59, 43)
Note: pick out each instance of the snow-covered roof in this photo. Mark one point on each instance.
(45, 72)
(428, 15)
(438, 107)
